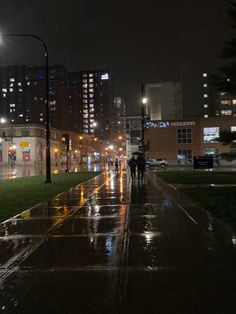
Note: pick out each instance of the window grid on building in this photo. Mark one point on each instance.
(185, 156)
(184, 136)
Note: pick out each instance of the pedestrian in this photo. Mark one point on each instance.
(141, 165)
(132, 165)
(116, 165)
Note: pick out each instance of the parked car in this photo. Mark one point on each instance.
(162, 162)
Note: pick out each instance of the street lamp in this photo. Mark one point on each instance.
(144, 102)
(47, 116)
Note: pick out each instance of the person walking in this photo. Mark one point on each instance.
(132, 165)
(141, 165)
(116, 165)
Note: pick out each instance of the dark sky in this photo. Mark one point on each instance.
(139, 40)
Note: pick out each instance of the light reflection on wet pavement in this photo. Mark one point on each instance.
(112, 246)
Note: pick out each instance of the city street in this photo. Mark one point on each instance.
(111, 245)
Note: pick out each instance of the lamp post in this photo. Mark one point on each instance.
(144, 101)
(47, 116)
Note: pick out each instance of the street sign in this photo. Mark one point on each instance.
(203, 162)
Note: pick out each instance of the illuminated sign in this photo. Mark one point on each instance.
(164, 124)
(24, 144)
(105, 76)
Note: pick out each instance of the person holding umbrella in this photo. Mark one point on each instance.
(132, 166)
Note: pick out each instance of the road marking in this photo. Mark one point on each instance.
(180, 207)
(173, 187)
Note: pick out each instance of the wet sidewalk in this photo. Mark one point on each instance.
(115, 246)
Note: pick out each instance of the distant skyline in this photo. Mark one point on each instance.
(138, 40)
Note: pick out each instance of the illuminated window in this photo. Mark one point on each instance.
(233, 128)
(214, 152)
(28, 83)
(91, 80)
(205, 95)
(12, 105)
(91, 90)
(19, 84)
(11, 90)
(205, 85)
(85, 101)
(85, 85)
(205, 115)
(12, 79)
(91, 95)
(184, 136)
(205, 105)
(226, 112)
(211, 135)
(85, 81)
(184, 156)
(4, 90)
(20, 115)
(85, 96)
(35, 98)
(90, 74)
(84, 75)
(225, 102)
(91, 85)
(234, 101)
(204, 74)
(4, 95)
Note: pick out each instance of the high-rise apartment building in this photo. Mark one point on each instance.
(78, 101)
(95, 98)
(118, 118)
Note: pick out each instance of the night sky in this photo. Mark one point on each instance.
(138, 40)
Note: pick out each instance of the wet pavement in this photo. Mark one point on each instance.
(111, 245)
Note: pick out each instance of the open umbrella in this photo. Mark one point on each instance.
(136, 154)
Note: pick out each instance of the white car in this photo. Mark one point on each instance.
(162, 162)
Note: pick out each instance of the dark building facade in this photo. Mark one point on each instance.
(78, 101)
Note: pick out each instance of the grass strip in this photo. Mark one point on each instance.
(221, 202)
(22, 193)
(198, 177)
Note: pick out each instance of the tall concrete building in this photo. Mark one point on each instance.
(22, 96)
(164, 100)
(78, 101)
(95, 101)
(118, 117)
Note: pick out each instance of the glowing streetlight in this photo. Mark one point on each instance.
(2, 120)
(144, 100)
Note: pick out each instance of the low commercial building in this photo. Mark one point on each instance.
(179, 141)
(26, 145)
